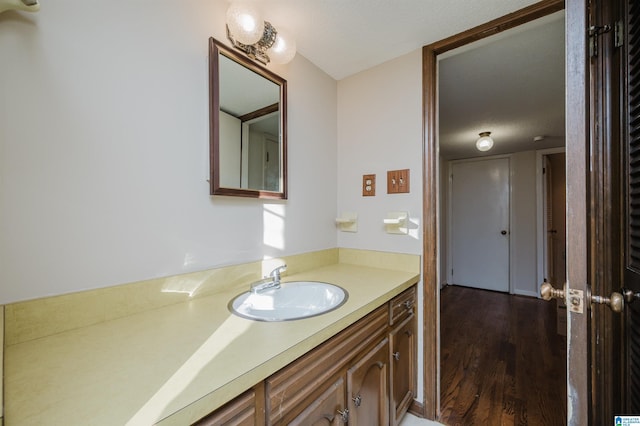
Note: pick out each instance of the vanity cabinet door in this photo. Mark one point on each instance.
(403, 368)
(295, 387)
(367, 387)
(245, 410)
(326, 410)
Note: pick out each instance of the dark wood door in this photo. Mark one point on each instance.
(614, 192)
(630, 108)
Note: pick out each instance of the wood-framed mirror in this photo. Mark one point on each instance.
(248, 126)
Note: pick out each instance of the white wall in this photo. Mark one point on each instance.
(104, 136)
(380, 129)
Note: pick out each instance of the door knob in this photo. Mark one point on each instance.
(629, 295)
(615, 301)
(547, 292)
(503, 232)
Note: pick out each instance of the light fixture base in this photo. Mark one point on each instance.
(485, 142)
(257, 51)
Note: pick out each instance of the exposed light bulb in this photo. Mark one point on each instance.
(284, 49)
(245, 23)
(484, 143)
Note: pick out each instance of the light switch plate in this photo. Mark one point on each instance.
(398, 181)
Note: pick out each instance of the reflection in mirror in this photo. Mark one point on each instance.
(248, 127)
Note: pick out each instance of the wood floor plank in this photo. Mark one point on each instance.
(502, 361)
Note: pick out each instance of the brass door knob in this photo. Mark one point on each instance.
(629, 295)
(547, 292)
(615, 301)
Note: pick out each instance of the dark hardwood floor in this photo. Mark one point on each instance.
(503, 362)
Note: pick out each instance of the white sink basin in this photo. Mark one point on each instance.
(293, 300)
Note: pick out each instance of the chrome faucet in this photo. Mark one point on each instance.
(270, 281)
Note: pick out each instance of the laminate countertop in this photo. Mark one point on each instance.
(175, 364)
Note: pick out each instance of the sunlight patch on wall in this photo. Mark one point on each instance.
(414, 228)
(273, 225)
(189, 259)
(182, 285)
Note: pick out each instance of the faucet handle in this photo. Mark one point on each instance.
(276, 272)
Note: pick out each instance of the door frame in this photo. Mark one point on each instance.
(449, 212)
(541, 223)
(576, 98)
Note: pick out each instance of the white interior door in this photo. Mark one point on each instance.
(479, 212)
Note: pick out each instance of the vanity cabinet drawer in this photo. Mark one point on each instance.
(402, 306)
(244, 410)
(302, 382)
(327, 409)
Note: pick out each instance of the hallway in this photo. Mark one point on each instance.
(503, 362)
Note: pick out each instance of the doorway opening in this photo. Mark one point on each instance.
(551, 220)
(523, 272)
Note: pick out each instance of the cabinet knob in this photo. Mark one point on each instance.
(344, 414)
(396, 355)
(408, 304)
(357, 401)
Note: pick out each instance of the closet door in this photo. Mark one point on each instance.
(480, 191)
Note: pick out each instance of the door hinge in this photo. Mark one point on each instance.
(618, 34)
(598, 30)
(594, 32)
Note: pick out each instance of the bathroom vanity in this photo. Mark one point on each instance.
(365, 375)
(118, 356)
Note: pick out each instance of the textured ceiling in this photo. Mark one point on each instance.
(343, 37)
(511, 85)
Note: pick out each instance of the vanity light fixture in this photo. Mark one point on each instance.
(484, 143)
(26, 5)
(260, 40)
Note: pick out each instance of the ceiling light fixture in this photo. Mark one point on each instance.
(484, 143)
(249, 33)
